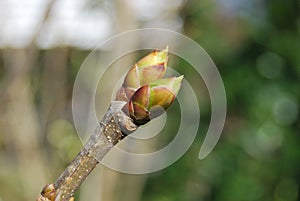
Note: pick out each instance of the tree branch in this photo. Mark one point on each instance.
(142, 93)
(114, 126)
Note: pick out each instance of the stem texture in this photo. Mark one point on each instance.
(114, 126)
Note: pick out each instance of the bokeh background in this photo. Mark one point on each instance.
(256, 47)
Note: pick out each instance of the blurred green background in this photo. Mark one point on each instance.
(256, 47)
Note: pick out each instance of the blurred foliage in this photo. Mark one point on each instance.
(258, 55)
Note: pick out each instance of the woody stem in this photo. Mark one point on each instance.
(114, 126)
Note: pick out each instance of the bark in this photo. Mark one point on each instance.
(114, 126)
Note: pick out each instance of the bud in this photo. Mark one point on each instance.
(49, 192)
(148, 69)
(152, 99)
(146, 93)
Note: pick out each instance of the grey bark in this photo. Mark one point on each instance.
(114, 126)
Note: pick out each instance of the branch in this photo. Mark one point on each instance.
(114, 126)
(143, 93)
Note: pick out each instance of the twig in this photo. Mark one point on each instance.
(142, 93)
(114, 126)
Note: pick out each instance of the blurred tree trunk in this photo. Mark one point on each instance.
(21, 122)
(54, 90)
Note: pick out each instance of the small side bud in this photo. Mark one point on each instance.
(49, 192)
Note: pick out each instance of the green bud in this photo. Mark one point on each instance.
(153, 98)
(146, 93)
(148, 69)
